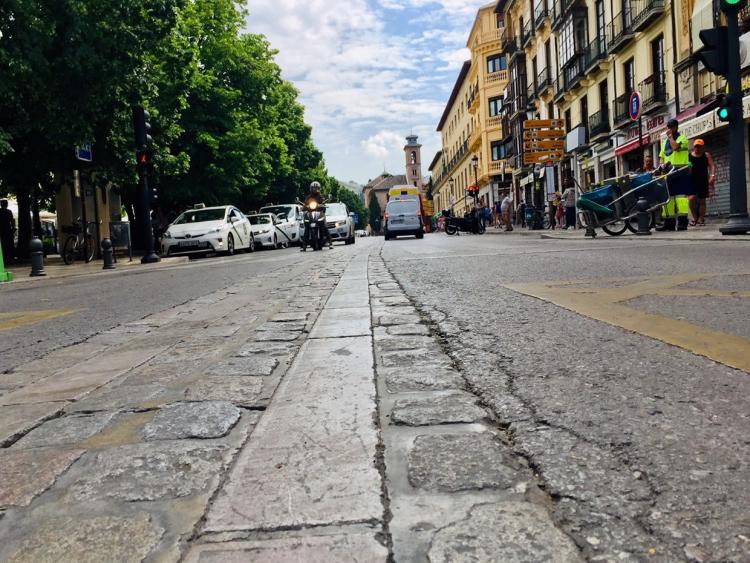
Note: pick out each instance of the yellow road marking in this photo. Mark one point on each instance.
(604, 304)
(9, 321)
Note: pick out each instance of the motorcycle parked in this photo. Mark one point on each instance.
(314, 217)
(471, 223)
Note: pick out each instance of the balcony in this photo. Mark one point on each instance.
(620, 30)
(556, 14)
(475, 139)
(518, 106)
(531, 93)
(505, 125)
(526, 34)
(492, 36)
(622, 116)
(450, 165)
(653, 91)
(541, 13)
(559, 88)
(645, 12)
(595, 53)
(497, 77)
(543, 81)
(599, 124)
(498, 166)
(494, 123)
(574, 71)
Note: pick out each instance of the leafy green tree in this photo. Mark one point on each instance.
(375, 211)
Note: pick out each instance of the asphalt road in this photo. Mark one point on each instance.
(101, 302)
(643, 446)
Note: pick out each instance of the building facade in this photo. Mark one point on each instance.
(581, 60)
(471, 128)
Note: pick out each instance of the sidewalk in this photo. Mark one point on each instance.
(54, 267)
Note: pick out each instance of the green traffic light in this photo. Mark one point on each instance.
(732, 2)
(723, 114)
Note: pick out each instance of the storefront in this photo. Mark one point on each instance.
(628, 152)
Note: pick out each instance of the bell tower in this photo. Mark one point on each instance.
(413, 154)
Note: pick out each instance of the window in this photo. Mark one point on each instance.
(629, 72)
(534, 74)
(600, 22)
(496, 105)
(657, 55)
(496, 63)
(603, 97)
(499, 21)
(498, 150)
(567, 120)
(413, 157)
(585, 111)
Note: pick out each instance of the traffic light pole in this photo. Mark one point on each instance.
(150, 256)
(738, 222)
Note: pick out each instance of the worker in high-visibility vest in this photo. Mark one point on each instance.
(675, 150)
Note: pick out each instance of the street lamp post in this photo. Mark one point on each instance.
(451, 199)
(475, 191)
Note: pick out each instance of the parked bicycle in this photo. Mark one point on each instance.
(77, 245)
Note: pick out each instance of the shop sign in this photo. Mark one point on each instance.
(698, 126)
(650, 125)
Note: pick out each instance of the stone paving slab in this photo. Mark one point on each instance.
(126, 539)
(245, 365)
(340, 548)
(16, 420)
(400, 380)
(310, 461)
(242, 391)
(65, 430)
(440, 408)
(334, 323)
(208, 419)
(25, 474)
(514, 531)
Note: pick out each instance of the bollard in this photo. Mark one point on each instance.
(590, 230)
(36, 247)
(107, 255)
(644, 217)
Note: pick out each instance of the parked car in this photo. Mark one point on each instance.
(340, 222)
(208, 229)
(290, 216)
(267, 230)
(403, 217)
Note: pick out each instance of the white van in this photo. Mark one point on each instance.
(291, 224)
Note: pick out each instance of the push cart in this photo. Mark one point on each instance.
(612, 205)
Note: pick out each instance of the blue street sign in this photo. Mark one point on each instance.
(634, 106)
(84, 153)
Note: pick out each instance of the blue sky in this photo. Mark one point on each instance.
(369, 72)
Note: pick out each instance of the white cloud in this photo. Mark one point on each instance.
(366, 84)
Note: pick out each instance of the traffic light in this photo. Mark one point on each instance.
(153, 194)
(725, 111)
(142, 128)
(713, 54)
(732, 6)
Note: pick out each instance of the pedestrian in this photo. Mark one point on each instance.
(505, 207)
(7, 230)
(521, 213)
(498, 213)
(703, 174)
(674, 153)
(569, 202)
(557, 210)
(648, 162)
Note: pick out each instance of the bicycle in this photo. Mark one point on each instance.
(76, 245)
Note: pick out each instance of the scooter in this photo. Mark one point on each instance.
(314, 217)
(469, 224)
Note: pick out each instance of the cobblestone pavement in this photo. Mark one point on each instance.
(382, 408)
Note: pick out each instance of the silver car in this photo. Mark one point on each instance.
(403, 217)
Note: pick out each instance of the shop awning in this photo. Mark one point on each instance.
(692, 111)
(631, 146)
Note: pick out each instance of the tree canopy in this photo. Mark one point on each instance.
(227, 128)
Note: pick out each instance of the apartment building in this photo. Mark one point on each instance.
(580, 61)
(473, 148)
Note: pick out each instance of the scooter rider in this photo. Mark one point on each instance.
(316, 196)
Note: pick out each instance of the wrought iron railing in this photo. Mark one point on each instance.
(540, 13)
(595, 52)
(526, 33)
(574, 70)
(644, 11)
(654, 89)
(599, 123)
(621, 109)
(543, 80)
(620, 29)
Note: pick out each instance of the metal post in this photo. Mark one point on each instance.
(36, 247)
(738, 222)
(644, 217)
(640, 138)
(107, 254)
(150, 256)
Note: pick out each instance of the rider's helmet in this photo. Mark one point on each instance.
(315, 187)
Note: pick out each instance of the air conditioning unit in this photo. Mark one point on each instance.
(575, 139)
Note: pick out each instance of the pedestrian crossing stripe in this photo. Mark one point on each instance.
(16, 319)
(605, 304)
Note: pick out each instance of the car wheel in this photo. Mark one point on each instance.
(275, 242)
(420, 235)
(230, 245)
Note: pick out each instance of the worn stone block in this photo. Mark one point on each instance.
(209, 419)
(404, 329)
(124, 539)
(65, 431)
(401, 380)
(245, 365)
(152, 471)
(242, 391)
(25, 474)
(275, 336)
(444, 408)
(459, 462)
(510, 531)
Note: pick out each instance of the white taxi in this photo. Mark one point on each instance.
(208, 229)
(267, 230)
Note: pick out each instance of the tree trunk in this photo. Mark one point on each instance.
(24, 222)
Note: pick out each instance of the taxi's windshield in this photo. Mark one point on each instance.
(260, 219)
(280, 211)
(200, 216)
